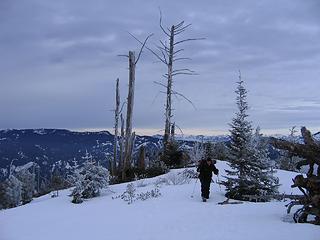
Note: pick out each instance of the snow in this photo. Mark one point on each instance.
(107, 144)
(174, 215)
(198, 138)
(40, 131)
(24, 167)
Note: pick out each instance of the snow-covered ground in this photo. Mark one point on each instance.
(174, 215)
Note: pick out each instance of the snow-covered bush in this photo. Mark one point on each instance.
(180, 178)
(174, 178)
(154, 193)
(130, 195)
(89, 180)
(189, 173)
(160, 181)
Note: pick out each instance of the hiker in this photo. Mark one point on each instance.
(206, 167)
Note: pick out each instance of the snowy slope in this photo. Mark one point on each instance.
(174, 215)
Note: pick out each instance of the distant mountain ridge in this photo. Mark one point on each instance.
(65, 149)
(199, 138)
(51, 148)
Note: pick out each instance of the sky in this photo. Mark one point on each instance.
(59, 61)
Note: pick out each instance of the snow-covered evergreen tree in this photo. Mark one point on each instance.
(28, 184)
(12, 192)
(246, 176)
(78, 189)
(57, 183)
(90, 179)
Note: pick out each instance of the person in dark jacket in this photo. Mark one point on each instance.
(205, 168)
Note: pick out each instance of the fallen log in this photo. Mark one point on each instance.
(228, 202)
(309, 185)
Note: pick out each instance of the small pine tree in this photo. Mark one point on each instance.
(248, 172)
(173, 156)
(57, 183)
(89, 181)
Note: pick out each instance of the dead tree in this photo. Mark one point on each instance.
(121, 150)
(168, 52)
(116, 123)
(309, 185)
(173, 128)
(309, 151)
(130, 101)
(129, 136)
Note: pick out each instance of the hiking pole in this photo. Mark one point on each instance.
(194, 187)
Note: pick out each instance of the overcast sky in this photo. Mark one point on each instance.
(58, 63)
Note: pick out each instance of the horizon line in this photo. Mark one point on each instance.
(185, 132)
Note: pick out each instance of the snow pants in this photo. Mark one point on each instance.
(205, 187)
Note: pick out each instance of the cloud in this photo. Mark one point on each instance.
(59, 62)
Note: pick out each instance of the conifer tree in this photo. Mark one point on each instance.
(28, 182)
(89, 181)
(247, 174)
(12, 192)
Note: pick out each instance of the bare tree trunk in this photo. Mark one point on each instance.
(121, 157)
(168, 113)
(131, 147)
(130, 101)
(116, 118)
(129, 136)
(173, 129)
